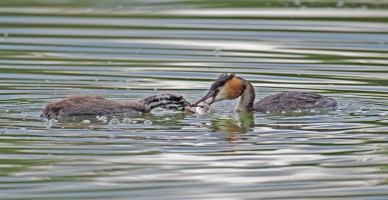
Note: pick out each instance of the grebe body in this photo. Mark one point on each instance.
(227, 86)
(96, 105)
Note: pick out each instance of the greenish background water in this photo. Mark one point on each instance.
(125, 50)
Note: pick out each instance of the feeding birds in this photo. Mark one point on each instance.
(228, 86)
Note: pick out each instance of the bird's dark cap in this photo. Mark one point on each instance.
(222, 79)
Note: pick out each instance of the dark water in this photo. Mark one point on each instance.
(125, 50)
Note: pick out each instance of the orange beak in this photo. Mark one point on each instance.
(210, 95)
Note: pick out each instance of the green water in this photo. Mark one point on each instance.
(125, 50)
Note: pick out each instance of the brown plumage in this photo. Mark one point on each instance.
(230, 87)
(96, 105)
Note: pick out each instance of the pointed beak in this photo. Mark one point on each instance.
(211, 96)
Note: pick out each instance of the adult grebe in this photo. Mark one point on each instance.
(227, 86)
(95, 105)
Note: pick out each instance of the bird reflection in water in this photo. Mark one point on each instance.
(239, 123)
(233, 127)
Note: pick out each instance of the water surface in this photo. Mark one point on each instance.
(126, 50)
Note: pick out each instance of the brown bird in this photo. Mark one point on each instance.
(96, 105)
(228, 86)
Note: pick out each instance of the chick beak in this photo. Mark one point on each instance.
(186, 104)
(210, 95)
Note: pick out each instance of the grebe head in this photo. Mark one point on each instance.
(227, 86)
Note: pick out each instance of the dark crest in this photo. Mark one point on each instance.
(222, 79)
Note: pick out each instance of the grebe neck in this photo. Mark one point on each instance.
(247, 98)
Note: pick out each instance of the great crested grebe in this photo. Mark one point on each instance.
(95, 105)
(227, 86)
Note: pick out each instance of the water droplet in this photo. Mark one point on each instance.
(147, 123)
(111, 136)
(114, 122)
(167, 118)
(102, 119)
(217, 52)
(48, 124)
(86, 121)
(340, 3)
(127, 121)
(283, 112)
(6, 110)
(268, 112)
(138, 51)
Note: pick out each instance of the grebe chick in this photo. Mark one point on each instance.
(96, 105)
(227, 86)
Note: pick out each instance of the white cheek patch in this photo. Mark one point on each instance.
(222, 94)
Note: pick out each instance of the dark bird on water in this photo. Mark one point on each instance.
(228, 86)
(96, 105)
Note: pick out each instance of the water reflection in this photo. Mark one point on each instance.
(125, 50)
(241, 123)
(237, 123)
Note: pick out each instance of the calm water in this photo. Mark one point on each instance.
(125, 50)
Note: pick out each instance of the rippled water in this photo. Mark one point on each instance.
(125, 50)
